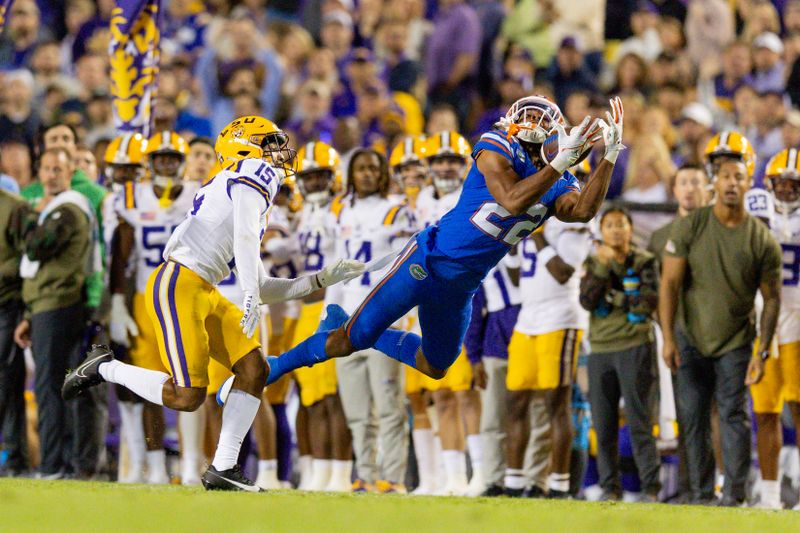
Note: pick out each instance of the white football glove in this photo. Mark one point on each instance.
(571, 145)
(612, 130)
(121, 323)
(340, 270)
(250, 319)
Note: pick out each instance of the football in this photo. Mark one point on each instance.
(550, 149)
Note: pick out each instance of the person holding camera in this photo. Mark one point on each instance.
(620, 290)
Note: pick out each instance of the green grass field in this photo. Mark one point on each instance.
(52, 506)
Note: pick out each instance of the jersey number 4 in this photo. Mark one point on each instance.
(488, 217)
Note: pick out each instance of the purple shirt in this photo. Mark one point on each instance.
(456, 31)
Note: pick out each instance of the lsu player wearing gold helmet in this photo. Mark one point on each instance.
(193, 321)
(780, 383)
(408, 165)
(124, 159)
(729, 144)
(152, 210)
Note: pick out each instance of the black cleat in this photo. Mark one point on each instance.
(494, 490)
(513, 493)
(533, 492)
(87, 375)
(231, 479)
(558, 495)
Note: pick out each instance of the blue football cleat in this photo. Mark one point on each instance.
(224, 390)
(335, 317)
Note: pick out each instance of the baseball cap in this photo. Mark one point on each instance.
(338, 17)
(770, 41)
(571, 41)
(698, 113)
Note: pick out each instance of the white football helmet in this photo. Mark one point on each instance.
(531, 119)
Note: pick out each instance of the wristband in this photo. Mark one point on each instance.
(545, 254)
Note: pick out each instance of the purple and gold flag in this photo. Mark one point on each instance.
(5, 9)
(134, 55)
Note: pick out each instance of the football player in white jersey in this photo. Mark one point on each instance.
(543, 352)
(192, 319)
(124, 160)
(458, 405)
(321, 423)
(781, 381)
(148, 215)
(371, 225)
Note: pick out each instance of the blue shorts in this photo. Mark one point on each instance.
(444, 311)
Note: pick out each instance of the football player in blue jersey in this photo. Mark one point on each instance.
(510, 190)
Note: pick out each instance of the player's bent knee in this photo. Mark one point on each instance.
(188, 399)
(251, 371)
(339, 344)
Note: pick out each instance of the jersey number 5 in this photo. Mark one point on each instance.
(483, 219)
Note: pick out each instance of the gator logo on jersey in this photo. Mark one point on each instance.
(417, 272)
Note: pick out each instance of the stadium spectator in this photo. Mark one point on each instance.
(337, 35)
(695, 131)
(568, 73)
(77, 13)
(645, 42)
(201, 159)
(528, 24)
(311, 119)
(18, 121)
(14, 213)
(728, 256)
(765, 133)
(709, 29)
(631, 74)
(58, 254)
(93, 36)
(620, 290)
(451, 57)
(239, 60)
(768, 66)
(23, 32)
(442, 118)
(15, 161)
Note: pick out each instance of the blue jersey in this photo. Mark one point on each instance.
(475, 235)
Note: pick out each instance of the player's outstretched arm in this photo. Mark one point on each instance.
(583, 206)
(517, 195)
(275, 290)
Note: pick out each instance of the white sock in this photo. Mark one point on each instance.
(130, 415)
(191, 428)
(441, 474)
(770, 492)
(341, 472)
(455, 464)
(321, 474)
(475, 447)
(149, 384)
(237, 417)
(424, 448)
(304, 467)
(559, 482)
(514, 479)
(157, 466)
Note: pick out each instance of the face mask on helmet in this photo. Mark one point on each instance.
(315, 186)
(786, 191)
(277, 153)
(447, 172)
(167, 168)
(119, 174)
(531, 119)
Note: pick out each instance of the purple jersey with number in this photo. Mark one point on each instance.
(475, 235)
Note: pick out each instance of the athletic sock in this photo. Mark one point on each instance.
(130, 414)
(515, 479)
(157, 467)
(267, 464)
(400, 345)
(455, 464)
(341, 474)
(267, 474)
(770, 493)
(321, 474)
(191, 428)
(307, 353)
(559, 482)
(148, 384)
(424, 449)
(475, 447)
(237, 417)
(304, 466)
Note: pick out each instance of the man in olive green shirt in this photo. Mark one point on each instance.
(14, 213)
(57, 250)
(716, 259)
(63, 136)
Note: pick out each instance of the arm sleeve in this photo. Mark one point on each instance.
(49, 238)
(247, 206)
(275, 290)
(473, 340)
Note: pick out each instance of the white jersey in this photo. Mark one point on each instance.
(786, 228)
(282, 253)
(430, 209)
(369, 228)
(152, 224)
(204, 242)
(316, 235)
(498, 289)
(547, 305)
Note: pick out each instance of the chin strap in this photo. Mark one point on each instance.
(164, 201)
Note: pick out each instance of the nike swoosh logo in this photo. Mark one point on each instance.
(79, 371)
(248, 488)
